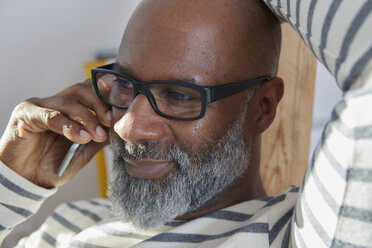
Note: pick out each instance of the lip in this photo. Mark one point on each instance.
(147, 168)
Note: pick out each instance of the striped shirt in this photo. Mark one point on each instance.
(333, 206)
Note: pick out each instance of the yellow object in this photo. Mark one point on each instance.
(100, 156)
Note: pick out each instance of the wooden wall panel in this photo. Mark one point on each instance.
(285, 145)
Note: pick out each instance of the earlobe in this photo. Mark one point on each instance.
(269, 95)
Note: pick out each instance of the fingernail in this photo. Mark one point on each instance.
(84, 134)
(108, 115)
(100, 132)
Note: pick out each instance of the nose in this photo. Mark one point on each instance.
(140, 123)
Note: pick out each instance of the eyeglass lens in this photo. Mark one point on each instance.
(170, 99)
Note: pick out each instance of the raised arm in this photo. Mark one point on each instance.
(335, 205)
(39, 133)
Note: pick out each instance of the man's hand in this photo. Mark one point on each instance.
(40, 132)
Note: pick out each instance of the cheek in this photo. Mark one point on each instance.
(196, 135)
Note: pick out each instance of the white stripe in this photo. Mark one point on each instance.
(19, 180)
(9, 218)
(331, 180)
(355, 232)
(97, 237)
(359, 195)
(309, 235)
(355, 106)
(320, 209)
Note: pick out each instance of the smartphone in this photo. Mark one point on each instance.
(70, 155)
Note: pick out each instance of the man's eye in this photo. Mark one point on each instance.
(124, 83)
(178, 96)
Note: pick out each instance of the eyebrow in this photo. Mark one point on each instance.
(189, 80)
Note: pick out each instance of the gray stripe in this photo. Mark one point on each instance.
(331, 159)
(85, 212)
(351, 33)
(96, 203)
(285, 242)
(275, 200)
(288, 9)
(360, 214)
(294, 189)
(363, 175)
(278, 7)
(310, 22)
(198, 238)
(49, 239)
(265, 199)
(228, 215)
(21, 211)
(339, 243)
(355, 174)
(77, 243)
(326, 26)
(325, 194)
(118, 233)
(314, 222)
(18, 190)
(297, 24)
(66, 223)
(175, 223)
(357, 69)
(358, 93)
(279, 225)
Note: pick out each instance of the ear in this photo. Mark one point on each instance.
(268, 96)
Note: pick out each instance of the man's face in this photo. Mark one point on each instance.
(196, 177)
(165, 168)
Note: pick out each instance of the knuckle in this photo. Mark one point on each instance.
(50, 117)
(22, 109)
(65, 102)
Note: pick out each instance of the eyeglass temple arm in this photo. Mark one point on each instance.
(218, 92)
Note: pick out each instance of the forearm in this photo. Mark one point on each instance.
(19, 199)
(337, 32)
(335, 200)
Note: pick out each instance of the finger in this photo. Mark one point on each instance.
(78, 113)
(86, 95)
(36, 119)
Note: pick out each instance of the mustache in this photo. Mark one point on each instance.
(152, 150)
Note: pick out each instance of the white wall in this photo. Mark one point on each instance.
(43, 45)
(327, 94)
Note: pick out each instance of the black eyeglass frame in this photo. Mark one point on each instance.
(208, 94)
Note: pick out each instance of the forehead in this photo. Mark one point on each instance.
(169, 44)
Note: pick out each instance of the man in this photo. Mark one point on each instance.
(186, 155)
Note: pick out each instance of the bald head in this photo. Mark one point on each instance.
(206, 41)
(198, 166)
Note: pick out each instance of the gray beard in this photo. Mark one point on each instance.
(198, 177)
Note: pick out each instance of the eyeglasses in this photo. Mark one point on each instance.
(173, 100)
